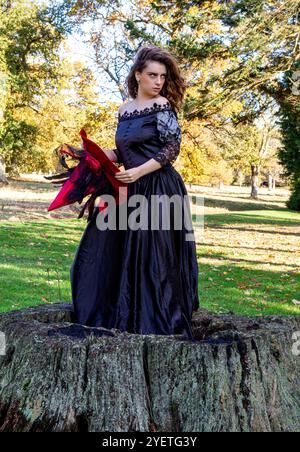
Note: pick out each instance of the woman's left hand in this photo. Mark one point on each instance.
(130, 175)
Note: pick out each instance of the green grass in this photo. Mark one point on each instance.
(35, 261)
(251, 264)
(249, 259)
(270, 217)
(247, 291)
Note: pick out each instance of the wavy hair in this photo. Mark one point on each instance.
(174, 86)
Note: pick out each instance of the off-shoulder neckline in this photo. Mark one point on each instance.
(145, 111)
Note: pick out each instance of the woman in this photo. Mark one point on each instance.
(142, 280)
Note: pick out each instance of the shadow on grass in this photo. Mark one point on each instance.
(20, 184)
(24, 282)
(243, 247)
(223, 257)
(227, 219)
(242, 204)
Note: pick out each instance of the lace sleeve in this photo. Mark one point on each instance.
(169, 133)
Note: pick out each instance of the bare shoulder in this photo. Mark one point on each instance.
(129, 106)
(124, 107)
(162, 100)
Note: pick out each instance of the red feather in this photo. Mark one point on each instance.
(94, 173)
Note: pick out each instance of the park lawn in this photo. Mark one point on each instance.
(35, 261)
(248, 261)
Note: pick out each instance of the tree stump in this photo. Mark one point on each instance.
(55, 375)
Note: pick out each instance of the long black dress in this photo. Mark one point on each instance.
(143, 281)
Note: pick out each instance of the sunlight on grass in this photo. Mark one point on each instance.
(249, 261)
(35, 261)
(247, 268)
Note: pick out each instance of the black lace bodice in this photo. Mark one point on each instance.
(152, 132)
(144, 112)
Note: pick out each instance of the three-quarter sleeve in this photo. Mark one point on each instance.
(169, 133)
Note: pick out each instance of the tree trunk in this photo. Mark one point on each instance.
(242, 375)
(270, 181)
(240, 178)
(254, 181)
(3, 178)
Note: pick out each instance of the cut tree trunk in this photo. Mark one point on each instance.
(241, 376)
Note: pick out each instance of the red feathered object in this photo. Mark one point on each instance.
(94, 175)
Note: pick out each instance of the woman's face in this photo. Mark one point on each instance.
(152, 79)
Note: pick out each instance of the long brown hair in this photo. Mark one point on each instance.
(174, 86)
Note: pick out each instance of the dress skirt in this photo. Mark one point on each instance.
(142, 280)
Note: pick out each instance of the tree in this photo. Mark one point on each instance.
(233, 53)
(30, 36)
(73, 105)
(248, 149)
(146, 23)
(289, 153)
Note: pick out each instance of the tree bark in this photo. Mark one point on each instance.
(3, 178)
(240, 177)
(241, 376)
(270, 181)
(254, 181)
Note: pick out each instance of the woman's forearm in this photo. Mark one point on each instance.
(149, 166)
(146, 168)
(111, 155)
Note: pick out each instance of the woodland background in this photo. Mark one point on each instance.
(63, 66)
(240, 58)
